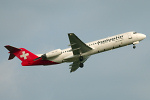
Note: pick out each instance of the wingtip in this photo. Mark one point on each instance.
(71, 71)
(11, 48)
(70, 33)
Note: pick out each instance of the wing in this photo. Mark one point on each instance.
(78, 47)
(75, 65)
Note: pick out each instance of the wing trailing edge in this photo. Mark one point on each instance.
(78, 47)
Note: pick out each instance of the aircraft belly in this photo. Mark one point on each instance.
(57, 59)
(70, 58)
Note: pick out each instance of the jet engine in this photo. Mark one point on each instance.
(51, 54)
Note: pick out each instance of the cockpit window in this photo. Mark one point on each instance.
(134, 32)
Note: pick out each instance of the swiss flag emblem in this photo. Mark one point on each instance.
(24, 55)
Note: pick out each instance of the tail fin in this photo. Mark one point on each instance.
(24, 55)
(12, 50)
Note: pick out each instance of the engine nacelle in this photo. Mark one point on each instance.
(51, 54)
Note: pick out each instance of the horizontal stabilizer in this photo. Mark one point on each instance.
(12, 49)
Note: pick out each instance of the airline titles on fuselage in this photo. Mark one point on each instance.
(110, 39)
(115, 38)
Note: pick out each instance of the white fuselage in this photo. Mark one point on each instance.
(101, 46)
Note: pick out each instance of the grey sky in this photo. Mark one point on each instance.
(42, 25)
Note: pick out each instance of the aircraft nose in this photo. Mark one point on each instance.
(142, 36)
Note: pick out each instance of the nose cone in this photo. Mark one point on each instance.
(141, 36)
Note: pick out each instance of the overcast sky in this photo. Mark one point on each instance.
(42, 25)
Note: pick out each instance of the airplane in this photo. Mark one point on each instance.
(79, 51)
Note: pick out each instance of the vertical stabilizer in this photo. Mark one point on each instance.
(11, 50)
(24, 55)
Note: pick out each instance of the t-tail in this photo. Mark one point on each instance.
(24, 55)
